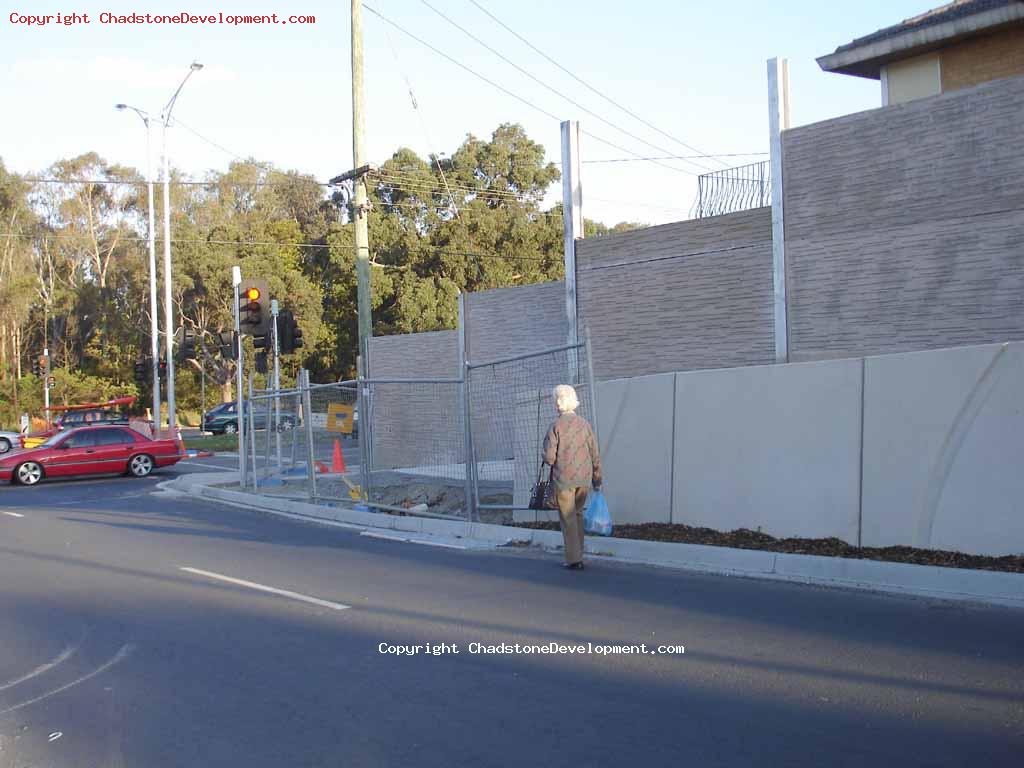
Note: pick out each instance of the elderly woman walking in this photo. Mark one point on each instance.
(570, 449)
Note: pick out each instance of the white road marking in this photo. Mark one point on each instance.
(54, 736)
(119, 656)
(13, 514)
(272, 590)
(66, 654)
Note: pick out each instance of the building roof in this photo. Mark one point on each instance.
(937, 28)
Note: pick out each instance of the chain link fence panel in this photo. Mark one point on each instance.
(331, 442)
(418, 449)
(512, 407)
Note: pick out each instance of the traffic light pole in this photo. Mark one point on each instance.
(236, 278)
(46, 385)
(277, 380)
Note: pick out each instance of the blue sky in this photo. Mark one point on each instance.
(696, 70)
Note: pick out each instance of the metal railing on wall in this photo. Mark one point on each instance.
(733, 189)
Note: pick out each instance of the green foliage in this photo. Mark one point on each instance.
(75, 279)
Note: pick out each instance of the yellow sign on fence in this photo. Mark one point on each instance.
(339, 418)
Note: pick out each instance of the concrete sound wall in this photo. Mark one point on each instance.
(943, 442)
(915, 449)
(775, 448)
(636, 422)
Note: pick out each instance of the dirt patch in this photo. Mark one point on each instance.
(744, 538)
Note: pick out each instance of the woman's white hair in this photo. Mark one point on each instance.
(565, 398)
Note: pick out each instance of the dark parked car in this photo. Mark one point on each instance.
(223, 420)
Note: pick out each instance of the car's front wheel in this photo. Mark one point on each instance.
(140, 465)
(29, 473)
(230, 428)
(5, 445)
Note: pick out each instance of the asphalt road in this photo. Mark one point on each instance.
(114, 655)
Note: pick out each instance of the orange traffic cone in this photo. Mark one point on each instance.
(338, 461)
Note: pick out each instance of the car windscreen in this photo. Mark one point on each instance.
(53, 440)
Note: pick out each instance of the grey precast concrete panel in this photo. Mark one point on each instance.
(772, 447)
(636, 417)
(943, 437)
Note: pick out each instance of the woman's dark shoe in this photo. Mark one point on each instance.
(573, 566)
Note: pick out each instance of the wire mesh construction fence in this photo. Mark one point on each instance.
(465, 447)
(511, 407)
(274, 444)
(417, 452)
(331, 441)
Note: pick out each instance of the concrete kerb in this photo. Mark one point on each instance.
(902, 578)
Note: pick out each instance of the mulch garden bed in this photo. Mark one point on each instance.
(743, 538)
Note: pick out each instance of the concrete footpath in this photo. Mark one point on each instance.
(902, 578)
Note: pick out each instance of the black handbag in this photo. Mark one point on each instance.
(543, 494)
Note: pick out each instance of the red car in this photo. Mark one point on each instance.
(91, 451)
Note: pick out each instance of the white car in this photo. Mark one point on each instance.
(9, 441)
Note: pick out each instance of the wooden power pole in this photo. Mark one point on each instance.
(360, 208)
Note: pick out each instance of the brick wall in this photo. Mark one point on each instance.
(905, 226)
(416, 424)
(981, 59)
(422, 424)
(695, 294)
(511, 321)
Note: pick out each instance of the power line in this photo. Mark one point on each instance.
(470, 211)
(416, 249)
(506, 91)
(639, 204)
(587, 85)
(394, 179)
(674, 157)
(423, 122)
(550, 88)
(178, 182)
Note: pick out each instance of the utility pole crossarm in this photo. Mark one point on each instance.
(355, 173)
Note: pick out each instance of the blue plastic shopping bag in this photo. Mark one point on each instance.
(596, 518)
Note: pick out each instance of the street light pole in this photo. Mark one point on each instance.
(172, 415)
(154, 331)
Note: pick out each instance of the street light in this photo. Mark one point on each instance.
(154, 331)
(165, 116)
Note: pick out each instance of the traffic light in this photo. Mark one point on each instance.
(163, 369)
(51, 382)
(290, 333)
(187, 350)
(140, 371)
(228, 343)
(261, 362)
(254, 308)
(41, 366)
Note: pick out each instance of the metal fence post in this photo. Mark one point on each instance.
(364, 453)
(470, 487)
(252, 429)
(266, 452)
(307, 417)
(593, 386)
